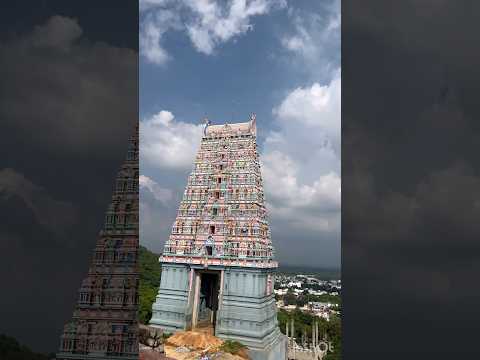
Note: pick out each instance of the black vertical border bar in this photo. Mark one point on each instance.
(410, 179)
(69, 104)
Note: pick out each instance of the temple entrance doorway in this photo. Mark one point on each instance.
(206, 301)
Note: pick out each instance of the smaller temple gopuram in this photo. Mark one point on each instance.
(104, 323)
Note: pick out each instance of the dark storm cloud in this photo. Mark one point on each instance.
(410, 178)
(60, 89)
(55, 215)
(68, 104)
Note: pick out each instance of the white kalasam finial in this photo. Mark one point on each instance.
(207, 123)
(253, 120)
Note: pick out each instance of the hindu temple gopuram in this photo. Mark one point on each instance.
(217, 265)
(104, 323)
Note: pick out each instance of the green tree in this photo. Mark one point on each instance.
(150, 271)
(334, 335)
(289, 298)
(302, 300)
(303, 323)
(10, 349)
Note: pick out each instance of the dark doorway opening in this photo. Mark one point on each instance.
(208, 302)
(209, 249)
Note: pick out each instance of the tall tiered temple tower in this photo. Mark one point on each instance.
(217, 265)
(104, 323)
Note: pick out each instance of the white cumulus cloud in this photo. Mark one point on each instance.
(168, 143)
(301, 159)
(316, 107)
(215, 23)
(152, 28)
(207, 23)
(315, 39)
(159, 193)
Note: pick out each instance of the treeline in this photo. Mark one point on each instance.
(329, 330)
(11, 349)
(291, 299)
(150, 271)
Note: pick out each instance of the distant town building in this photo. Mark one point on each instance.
(281, 291)
(297, 284)
(104, 323)
(217, 264)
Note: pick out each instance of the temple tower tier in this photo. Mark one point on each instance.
(218, 262)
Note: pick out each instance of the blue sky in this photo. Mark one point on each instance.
(224, 60)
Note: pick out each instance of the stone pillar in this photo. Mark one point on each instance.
(220, 293)
(196, 299)
(190, 284)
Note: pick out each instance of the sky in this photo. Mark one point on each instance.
(225, 60)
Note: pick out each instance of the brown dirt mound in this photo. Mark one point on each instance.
(243, 353)
(194, 340)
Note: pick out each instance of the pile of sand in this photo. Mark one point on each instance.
(194, 340)
(191, 345)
